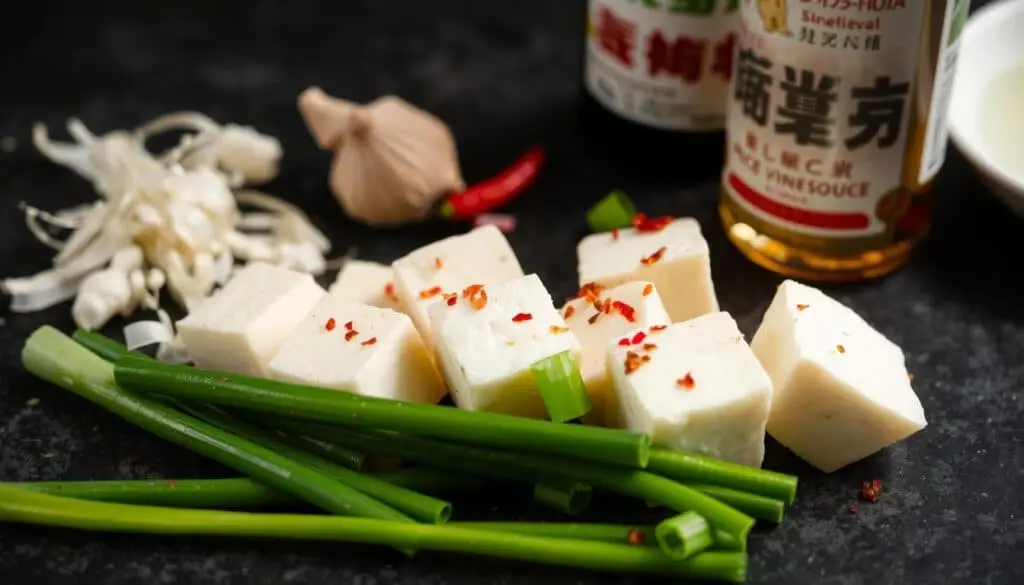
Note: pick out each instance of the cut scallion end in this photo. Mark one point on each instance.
(613, 211)
(570, 497)
(683, 536)
(561, 387)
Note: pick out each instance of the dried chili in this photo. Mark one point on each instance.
(638, 338)
(802, 307)
(653, 258)
(658, 328)
(351, 334)
(496, 191)
(642, 223)
(648, 289)
(430, 292)
(369, 341)
(628, 312)
(520, 317)
(329, 325)
(569, 312)
(650, 347)
(871, 491)
(389, 291)
(636, 537)
(686, 382)
(348, 326)
(438, 264)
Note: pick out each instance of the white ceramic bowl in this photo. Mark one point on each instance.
(992, 43)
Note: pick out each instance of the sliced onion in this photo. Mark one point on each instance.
(146, 333)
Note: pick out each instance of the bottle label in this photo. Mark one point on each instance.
(830, 109)
(662, 63)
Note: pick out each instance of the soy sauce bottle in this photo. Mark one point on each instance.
(656, 80)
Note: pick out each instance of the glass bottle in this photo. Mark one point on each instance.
(836, 131)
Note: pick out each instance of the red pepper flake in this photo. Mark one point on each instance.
(569, 312)
(802, 307)
(606, 306)
(369, 341)
(648, 290)
(624, 342)
(348, 326)
(653, 258)
(350, 334)
(329, 325)
(520, 317)
(451, 298)
(852, 509)
(615, 233)
(658, 328)
(171, 483)
(430, 292)
(871, 491)
(477, 296)
(840, 349)
(625, 310)
(642, 223)
(590, 291)
(686, 382)
(593, 319)
(558, 329)
(389, 291)
(438, 264)
(638, 338)
(636, 537)
(650, 347)
(633, 362)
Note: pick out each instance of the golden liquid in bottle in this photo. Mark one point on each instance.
(906, 209)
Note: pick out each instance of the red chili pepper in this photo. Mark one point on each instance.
(496, 191)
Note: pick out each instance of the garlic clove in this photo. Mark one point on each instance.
(392, 162)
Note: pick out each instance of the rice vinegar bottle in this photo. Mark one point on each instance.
(836, 131)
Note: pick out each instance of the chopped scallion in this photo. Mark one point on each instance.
(613, 211)
(561, 387)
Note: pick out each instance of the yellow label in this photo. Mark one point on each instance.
(831, 102)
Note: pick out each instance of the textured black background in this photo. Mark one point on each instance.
(505, 75)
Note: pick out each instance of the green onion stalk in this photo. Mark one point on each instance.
(609, 446)
(24, 506)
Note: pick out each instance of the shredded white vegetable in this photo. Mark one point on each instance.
(146, 333)
(166, 219)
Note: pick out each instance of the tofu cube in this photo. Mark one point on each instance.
(631, 306)
(841, 388)
(481, 256)
(366, 283)
(485, 345)
(239, 327)
(360, 349)
(675, 258)
(695, 386)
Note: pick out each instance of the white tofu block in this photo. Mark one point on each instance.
(595, 333)
(841, 388)
(481, 256)
(365, 350)
(239, 327)
(366, 283)
(702, 390)
(486, 353)
(675, 259)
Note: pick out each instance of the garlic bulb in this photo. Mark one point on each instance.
(392, 160)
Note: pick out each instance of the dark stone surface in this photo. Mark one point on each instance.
(504, 76)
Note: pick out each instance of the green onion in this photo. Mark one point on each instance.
(561, 387)
(418, 506)
(570, 497)
(321, 404)
(683, 536)
(760, 507)
(687, 467)
(516, 466)
(235, 492)
(102, 346)
(613, 211)
(54, 357)
(23, 506)
(614, 533)
(347, 458)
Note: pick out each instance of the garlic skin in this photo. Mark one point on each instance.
(392, 160)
